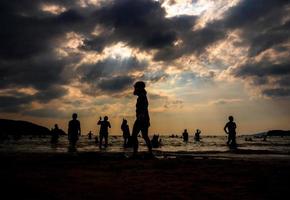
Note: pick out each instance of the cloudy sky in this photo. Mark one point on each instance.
(202, 60)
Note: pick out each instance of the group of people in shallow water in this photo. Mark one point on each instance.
(142, 123)
(196, 135)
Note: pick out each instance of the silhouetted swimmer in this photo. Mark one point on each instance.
(142, 121)
(126, 132)
(90, 135)
(74, 131)
(197, 135)
(55, 134)
(155, 142)
(104, 133)
(185, 135)
(97, 139)
(265, 138)
(230, 129)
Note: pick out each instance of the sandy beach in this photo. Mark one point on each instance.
(113, 176)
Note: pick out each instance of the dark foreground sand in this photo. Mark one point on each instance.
(111, 176)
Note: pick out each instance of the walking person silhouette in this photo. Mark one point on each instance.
(74, 131)
(142, 121)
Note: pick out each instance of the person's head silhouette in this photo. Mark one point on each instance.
(231, 118)
(124, 121)
(74, 116)
(106, 118)
(56, 126)
(139, 88)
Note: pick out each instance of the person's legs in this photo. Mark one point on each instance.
(229, 139)
(125, 141)
(136, 130)
(144, 131)
(106, 140)
(101, 141)
(233, 138)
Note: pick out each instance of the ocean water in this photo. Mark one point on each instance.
(208, 144)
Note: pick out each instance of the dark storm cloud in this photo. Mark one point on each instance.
(277, 92)
(23, 35)
(275, 77)
(111, 74)
(110, 67)
(115, 84)
(27, 58)
(28, 37)
(50, 93)
(140, 23)
(14, 103)
(263, 69)
(262, 23)
(38, 72)
(47, 113)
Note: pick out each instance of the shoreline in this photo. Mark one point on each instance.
(238, 154)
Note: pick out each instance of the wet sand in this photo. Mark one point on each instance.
(113, 176)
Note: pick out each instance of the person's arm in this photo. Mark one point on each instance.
(109, 124)
(68, 130)
(225, 128)
(80, 129)
(100, 121)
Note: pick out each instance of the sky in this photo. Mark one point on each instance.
(201, 60)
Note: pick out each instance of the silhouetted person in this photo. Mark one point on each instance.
(74, 131)
(155, 141)
(90, 135)
(104, 133)
(142, 121)
(126, 132)
(230, 129)
(97, 139)
(265, 138)
(185, 135)
(197, 135)
(55, 134)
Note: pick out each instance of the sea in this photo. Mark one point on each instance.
(169, 145)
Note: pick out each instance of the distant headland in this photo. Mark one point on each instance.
(19, 128)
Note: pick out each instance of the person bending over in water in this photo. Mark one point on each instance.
(105, 124)
(230, 129)
(142, 121)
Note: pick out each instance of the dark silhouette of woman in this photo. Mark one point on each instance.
(142, 122)
(126, 132)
